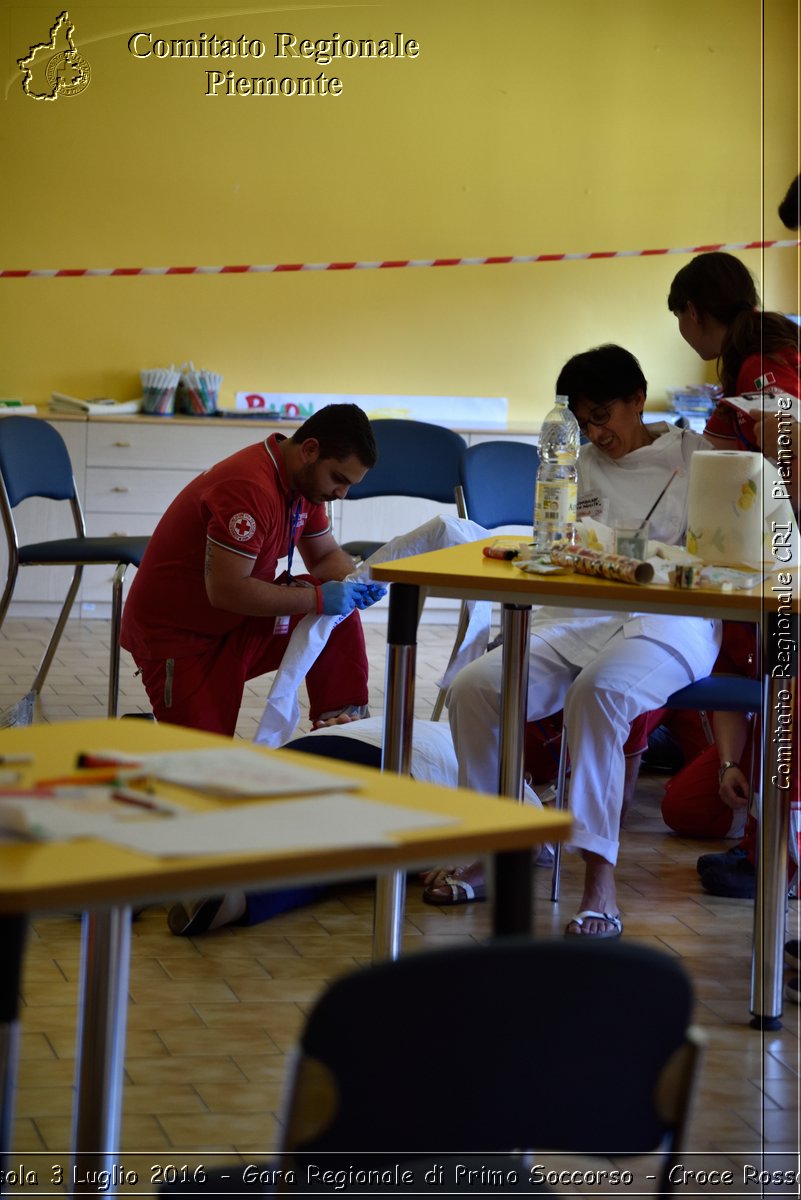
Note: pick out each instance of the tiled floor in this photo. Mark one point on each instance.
(211, 1020)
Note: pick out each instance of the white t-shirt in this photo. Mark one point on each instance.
(627, 487)
(433, 755)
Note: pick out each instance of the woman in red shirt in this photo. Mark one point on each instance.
(716, 302)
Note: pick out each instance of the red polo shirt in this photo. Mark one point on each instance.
(757, 374)
(243, 504)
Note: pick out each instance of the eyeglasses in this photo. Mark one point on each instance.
(598, 416)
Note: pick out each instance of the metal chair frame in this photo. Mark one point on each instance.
(504, 506)
(76, 552)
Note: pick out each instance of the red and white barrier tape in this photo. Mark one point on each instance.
(387, 264)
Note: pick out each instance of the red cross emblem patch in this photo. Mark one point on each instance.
(242, 527)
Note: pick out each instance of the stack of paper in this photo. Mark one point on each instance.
(234, 772)
(99, 407)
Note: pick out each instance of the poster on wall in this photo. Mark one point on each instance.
(474, 412)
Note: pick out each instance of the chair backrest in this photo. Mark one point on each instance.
(498, 480)
(497, 1047)
(414, 459)
(34, 461)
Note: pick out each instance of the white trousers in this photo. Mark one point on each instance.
(600, 700)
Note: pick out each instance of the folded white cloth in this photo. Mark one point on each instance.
(282, 712)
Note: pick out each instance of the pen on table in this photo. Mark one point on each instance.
(104, 760)
(6, 760)
(133, 798)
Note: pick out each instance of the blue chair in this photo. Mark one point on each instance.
(496, 487)
(35, 462)
(497, 481)
(416, 460)
(719, 693)
(713, 693)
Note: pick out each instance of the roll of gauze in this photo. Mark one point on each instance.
(724, 508)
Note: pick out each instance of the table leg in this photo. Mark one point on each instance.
(396, 754)
(102, 1011)
(12, 945)
(778, 744)
(514, 893)
(516, 625)
(513, 870)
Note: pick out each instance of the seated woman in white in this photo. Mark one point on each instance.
(602, 668)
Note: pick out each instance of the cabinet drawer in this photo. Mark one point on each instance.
(183, 446)
(114, 524)
(97, 581)
(136, 491)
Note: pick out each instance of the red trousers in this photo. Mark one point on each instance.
(204, 690)
(691, 805)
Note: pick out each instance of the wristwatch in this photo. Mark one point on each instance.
(723, 768)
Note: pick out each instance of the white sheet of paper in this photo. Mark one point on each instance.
(234, 772)
(316, 823)
(74, 813)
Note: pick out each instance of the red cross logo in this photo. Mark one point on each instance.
(242, 526)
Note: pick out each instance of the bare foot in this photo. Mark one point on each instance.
(326, 722)
(435, 876)
(351, 712)
(436, 884)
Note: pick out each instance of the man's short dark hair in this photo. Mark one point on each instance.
(605, 373)
(341, 430)
(790, 207)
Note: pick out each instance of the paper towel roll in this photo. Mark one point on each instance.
(724, 508)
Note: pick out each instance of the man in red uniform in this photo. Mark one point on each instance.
(206, 612)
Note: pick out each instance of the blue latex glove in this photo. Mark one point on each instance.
(375, 591)
(340, 598)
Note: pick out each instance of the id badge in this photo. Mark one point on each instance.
(591, 505)
(281, 625)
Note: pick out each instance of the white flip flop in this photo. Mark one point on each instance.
(588, 914)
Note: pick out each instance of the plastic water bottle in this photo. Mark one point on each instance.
(555, 499)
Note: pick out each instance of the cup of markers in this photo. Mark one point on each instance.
(158, 391)
(198, 391)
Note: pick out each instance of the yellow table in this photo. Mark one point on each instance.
(103, 881)
(464, 573)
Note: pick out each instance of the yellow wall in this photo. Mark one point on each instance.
(524, 126)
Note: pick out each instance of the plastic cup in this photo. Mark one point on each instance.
(159, 401)
(631, 539)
